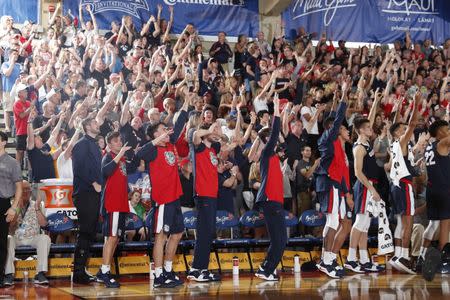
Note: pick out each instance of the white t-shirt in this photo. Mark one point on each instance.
(311, 111)
(64, 167)
(260, 104)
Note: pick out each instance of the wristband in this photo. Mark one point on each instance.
(17, 210)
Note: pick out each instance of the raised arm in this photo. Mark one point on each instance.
(373, 109)
(404, 139)
(80, 15)
(30, 132)
(125, 116)
(94, 21)
(269, 148)
(179, 123)
(68, 152)
(55, 13)
(54, 134)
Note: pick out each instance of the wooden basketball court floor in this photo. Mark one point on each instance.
(314, 285)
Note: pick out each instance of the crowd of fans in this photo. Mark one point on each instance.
(128, 79)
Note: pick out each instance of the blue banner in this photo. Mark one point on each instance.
(375, 21)
(208, 16)
(29, 10)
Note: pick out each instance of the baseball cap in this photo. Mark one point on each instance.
(50, 94)
(21, 87)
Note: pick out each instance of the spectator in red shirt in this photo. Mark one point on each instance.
(22, 108)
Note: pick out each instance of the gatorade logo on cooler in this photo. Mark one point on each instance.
(58, 193)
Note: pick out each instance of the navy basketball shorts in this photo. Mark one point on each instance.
(169, 218)
(403, 198)
(113, 223)
(438, 204)
(361, 196)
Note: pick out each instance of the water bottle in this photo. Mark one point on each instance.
(317, 206)
(296, 264)
(152, 271)
(235, 265)
(25, 277)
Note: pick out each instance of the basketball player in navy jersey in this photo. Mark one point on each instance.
(437, 161)
(366, 172)
(402, 189)
(333, 186)
(270, 196)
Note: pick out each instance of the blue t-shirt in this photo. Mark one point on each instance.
(8, 81)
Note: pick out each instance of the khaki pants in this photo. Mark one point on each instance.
(42, 244)
(416, 239)
(225, 67)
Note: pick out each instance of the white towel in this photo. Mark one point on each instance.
(385, 241)
(398, 168)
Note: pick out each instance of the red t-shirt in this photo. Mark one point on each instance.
(164, 177)
(21, 123)
(116, 188)
(274, 186)
(338, 170)
(206, 175)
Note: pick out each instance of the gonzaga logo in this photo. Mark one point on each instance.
(170, 157)
(207, 2)
(213, 158)
(125, 6)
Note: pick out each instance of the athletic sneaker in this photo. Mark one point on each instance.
(262, 274)
(199, 275)
(393, 263)
(333, 271)
(40, 278)
(107, 279)
(269, 277)
(8, 280)
(371, 267)
(91, 277)
(431, 264)
(445, 268)
(321, 266)
(353, 266)
(163, 282)
(419, 265)
(212, 276)
(404, 265)
(336, 265)
(80, 277)
(172, 276)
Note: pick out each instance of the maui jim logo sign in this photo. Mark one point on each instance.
(57, 222)
(313, 218)
(125, 6)
(253, 219)
(207, 2)
(409, 7)
(329, 7)
(190, 220)
(224, 219)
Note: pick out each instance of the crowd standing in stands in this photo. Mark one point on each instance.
(272, 133)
